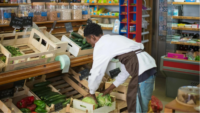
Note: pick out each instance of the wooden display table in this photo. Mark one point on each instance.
(175, 106)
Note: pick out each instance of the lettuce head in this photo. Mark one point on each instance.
(104, 100)
(90, 100)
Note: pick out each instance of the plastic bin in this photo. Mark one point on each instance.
(64, 10)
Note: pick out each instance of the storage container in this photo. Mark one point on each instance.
(13, 1)
(75, 49)
(194, 25)
(174, 25)
(40, 15)
(78, 104)
(190, 0)
(38, 5)
(13, 11)
(188, 26)
(52, 13)
(5, 16)
(33, 51)
(181, 25)
(64, 10)
(85, 10)
(25, 10)
(76, 11)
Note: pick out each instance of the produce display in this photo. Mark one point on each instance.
(14, 51)
(102, 100)
(79, 40)
(49, 97)
(197, 58)
(29, 104)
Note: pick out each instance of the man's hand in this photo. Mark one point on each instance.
(93, 96)
(109, 89)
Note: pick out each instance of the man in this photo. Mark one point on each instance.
(135, 62)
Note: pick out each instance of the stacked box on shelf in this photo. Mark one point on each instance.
(33, 51)
(30, 84)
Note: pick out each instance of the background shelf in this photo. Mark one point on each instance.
(185, 17)
(188, 29)
(98, 16)
(115, 4)
(185, 43)
(186, 3)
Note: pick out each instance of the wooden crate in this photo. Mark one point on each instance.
(42, 78)
(121, 91)
(78, 104)
(33, 51)
(64, 88)
(75, 49)
(4, 108)
(11, 106)
(84, 83)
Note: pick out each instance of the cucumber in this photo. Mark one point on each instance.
(76, 35)
(41, 84)
(43, 94)
(58, 97)
(39, 88)
(56, 102)
(84, 41)
(80, 40)
(48, 94)
(43, 91)
(53, 96)
(85, 46)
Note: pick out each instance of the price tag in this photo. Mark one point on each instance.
(16, 22)
(58, 106)
(7, 93)
(114, 72)
(27, 22)
(69, 27)
(19, 83)
(84, 74)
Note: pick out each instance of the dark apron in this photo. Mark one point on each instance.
(130, 61)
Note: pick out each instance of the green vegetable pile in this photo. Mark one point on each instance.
(45, 93)
(197, 58)
(3, 58)
(14, 51)
(102, 100)
(79, 40)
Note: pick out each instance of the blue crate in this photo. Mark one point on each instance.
(190, 0)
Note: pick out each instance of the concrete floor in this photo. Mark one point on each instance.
(159, 91)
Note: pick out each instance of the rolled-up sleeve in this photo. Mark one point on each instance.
(97, 72)
(121, 78)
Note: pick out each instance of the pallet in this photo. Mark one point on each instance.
(34, 52)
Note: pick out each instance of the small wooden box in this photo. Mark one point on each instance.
(77, 104)
(75, 49)
(121, 91)
(34, 52)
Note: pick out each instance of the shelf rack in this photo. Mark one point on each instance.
(187, 29)
(186, 3)
(105, 4)
(185, 43)
(98, 16)
(134, 13)
(186, 17)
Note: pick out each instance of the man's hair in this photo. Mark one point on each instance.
(93, 29)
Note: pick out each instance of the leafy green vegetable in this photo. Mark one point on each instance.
(104, 100)
(14, 51)
(197, 58)
(90, 100)
(3, 58)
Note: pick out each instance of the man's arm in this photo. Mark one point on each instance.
(97, 72)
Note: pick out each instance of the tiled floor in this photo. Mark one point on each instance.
(159, 91)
